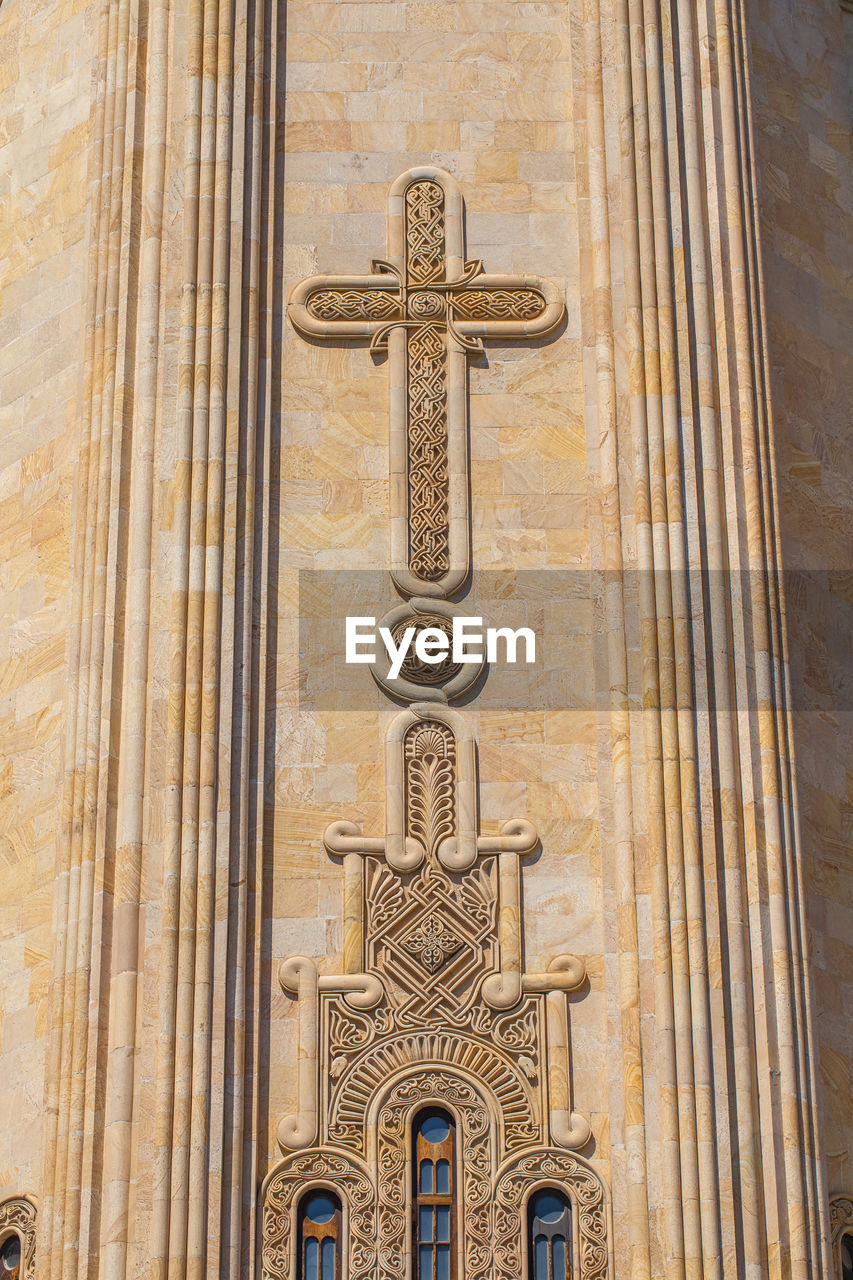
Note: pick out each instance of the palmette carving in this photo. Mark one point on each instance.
(430, 754)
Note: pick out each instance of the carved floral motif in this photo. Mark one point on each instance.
(432, 943)
(430, 755)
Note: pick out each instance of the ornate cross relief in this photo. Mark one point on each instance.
(434, 1007)
(431, 309)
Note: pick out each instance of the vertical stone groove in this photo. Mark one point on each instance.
(604, 416)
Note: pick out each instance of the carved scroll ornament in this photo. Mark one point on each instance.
(513, 1185)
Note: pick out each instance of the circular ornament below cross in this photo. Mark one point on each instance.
(420, 681)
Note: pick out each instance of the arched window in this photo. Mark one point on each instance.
(11, 1253)
(319, 1236)
(434, 1197)
(549, 1235)
(845, 1251)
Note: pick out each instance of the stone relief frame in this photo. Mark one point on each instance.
(518, 1179)
(18, 1216)
(840, 1223)
(297, 1176)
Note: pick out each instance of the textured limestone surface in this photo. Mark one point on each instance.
(46, 65)
(801, 90)
(168, 172)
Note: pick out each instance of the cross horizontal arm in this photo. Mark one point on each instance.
(345, 306)
(500, 306)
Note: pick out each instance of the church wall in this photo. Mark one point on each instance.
(46, 67)
(800, 90)
(485, 91)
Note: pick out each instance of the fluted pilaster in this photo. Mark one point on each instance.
(152, 1009)
(727, 1178)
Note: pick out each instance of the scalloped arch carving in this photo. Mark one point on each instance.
(514, 1093)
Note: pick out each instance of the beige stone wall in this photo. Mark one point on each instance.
(801, 84)
(486, 92)
(46, 66)
(227, 454)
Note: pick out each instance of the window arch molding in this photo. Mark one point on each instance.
(391, 1118)
(308, 1229)
(528, 1202)
(437, 1243)
(518, 1180)
(840, 1225)
(286, 1188)
(18, 1218)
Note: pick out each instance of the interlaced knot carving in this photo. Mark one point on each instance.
(424, 232)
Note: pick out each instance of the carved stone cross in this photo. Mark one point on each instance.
(430, 308)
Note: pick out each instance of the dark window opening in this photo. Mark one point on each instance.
(846, 1252)
(319, 1236)
(549, 1236)
(434, 1196)
(10, 1257)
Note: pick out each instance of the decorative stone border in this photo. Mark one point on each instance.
(18, 1216)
